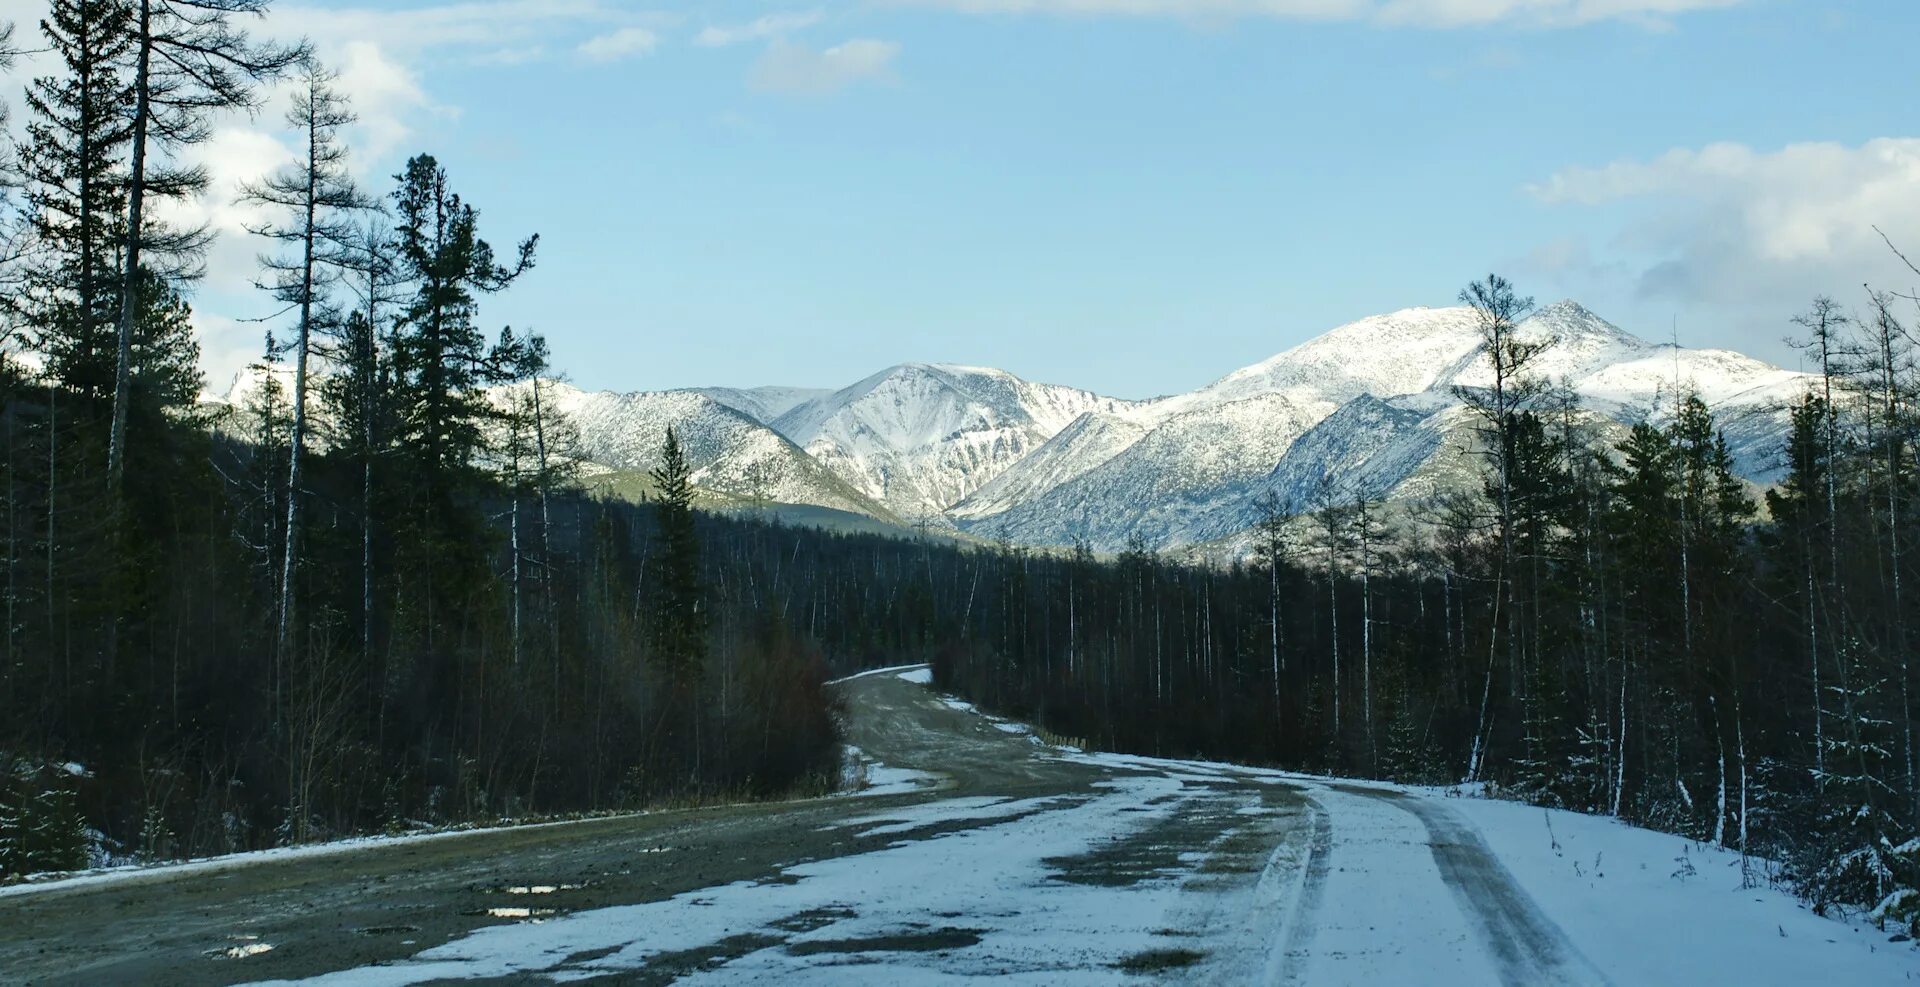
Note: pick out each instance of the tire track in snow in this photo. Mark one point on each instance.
(1529, 948)
(1306, 907)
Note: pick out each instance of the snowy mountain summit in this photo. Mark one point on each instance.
(921, 437)
(1372, 407)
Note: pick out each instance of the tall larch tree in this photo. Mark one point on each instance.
(189, 62)
(316, 201)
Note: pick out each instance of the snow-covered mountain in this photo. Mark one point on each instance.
(763, 404)
(1372, 406)
(731, 452)
(1179, 473)
(919, 438)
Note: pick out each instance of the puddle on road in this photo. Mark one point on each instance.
(516, 912)
(541, 888)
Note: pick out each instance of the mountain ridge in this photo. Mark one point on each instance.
(984, 452)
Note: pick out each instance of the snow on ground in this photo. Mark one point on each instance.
(918, 675)
(990, 889)
(1647, 903)
(1635, 906)
(865, 776)
(948, 812)
(901, 670)
(1349, 883)
(1381, 914)
(212, 865)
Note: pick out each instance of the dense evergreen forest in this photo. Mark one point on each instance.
(374, 596)
(371, 598)
(1613, 626)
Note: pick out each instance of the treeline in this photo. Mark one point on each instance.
(1611, 624)
(367, 598)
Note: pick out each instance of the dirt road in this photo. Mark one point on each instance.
(1010, 859)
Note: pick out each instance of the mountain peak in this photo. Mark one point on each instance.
(1567, 308)
(1567, 319)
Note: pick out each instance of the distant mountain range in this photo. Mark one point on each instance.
(1371, 404)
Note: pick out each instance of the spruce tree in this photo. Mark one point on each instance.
(75, 163)
(679, 624)
(679, 620)
(1797, 506)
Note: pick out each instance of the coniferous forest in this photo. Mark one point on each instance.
(375, 596)
(371, 597)
(1616, 627)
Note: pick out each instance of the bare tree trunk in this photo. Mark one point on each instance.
(1366, 619)
(1890, 399)
(298, 441)
(130, 285)
(1620, 751)
(1273, 618)
(1720, 787)
(1813, 659)
(513, 539)
(1477, 759)
(1333, 616)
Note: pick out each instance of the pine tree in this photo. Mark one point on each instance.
(442, 358)
(53, 834)
(13, 851)
(1715, 513)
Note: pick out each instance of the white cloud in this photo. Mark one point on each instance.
(236, 154)
(1728, 226)
(1411, 13)
(796, 68)
(614, 46)
(386, 96)
(521, 55)
(759, 29)
(227, 347)
(380, 53)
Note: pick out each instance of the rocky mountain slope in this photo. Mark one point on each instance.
(1369, 407)
(919, 438)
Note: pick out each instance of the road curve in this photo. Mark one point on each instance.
(1022, 861)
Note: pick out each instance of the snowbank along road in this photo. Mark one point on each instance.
(979, 852)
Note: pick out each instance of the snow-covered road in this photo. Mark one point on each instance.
(998, 856)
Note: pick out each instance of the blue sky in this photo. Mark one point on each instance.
(1134, 196)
